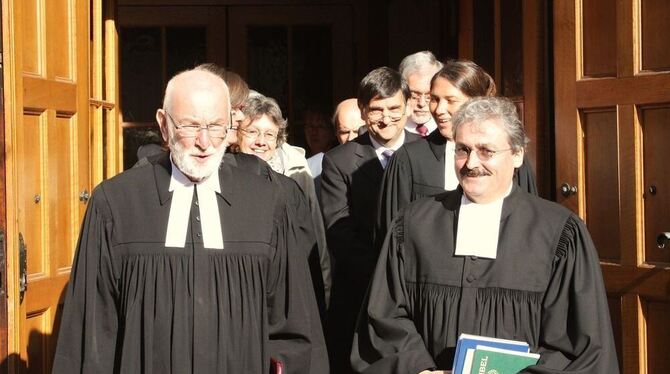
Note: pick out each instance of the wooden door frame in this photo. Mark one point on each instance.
(3, 217)
(11, 115)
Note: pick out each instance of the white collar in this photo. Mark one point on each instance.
(479, 227)
(410, 126)
(180, 210)
(379, 148)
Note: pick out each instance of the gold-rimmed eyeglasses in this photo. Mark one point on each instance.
(377, 115)
(215, 130)
(253, 133)
(483, 154)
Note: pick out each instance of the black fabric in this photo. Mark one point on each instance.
(135, 306)
(350, 181)
(545, 287)
(416, 171)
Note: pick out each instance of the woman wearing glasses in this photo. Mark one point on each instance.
(426, 167)
(263, 133)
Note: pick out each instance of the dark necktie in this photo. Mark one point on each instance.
(422, 130)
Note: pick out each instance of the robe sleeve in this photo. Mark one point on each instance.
(88, 331)
(306, 183)
(304, 233)
(525, 178)
(295, 335)
(386, 340)
(395, 193)
(576, 332)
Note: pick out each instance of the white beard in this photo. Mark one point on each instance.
(193, 169)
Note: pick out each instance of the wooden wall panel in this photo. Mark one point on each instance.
(38, 343)
(59, 167)
(61, 49)
(658, 331)
(614, 303)
(30, 200)
(602, 181)
(655, 28)
(599, 38)
(655, 122)
(33, 34)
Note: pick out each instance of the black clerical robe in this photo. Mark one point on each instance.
(545, 287)
(135, 306)
(417, 170)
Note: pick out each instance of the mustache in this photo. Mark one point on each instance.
(473, 173)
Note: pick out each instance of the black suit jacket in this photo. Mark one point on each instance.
(417, 170)
(350, 181)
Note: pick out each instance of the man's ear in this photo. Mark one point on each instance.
(517, 158)
(161, 118)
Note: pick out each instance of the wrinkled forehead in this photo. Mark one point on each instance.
(488, 131)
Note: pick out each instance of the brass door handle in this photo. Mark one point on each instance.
(84, 196)
(23, 268)
(567, 190)
(662, 239)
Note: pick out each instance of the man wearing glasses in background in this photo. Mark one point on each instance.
(182, 264)
(351, 177)
(418, 69)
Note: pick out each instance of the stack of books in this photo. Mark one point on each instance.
(482, 355)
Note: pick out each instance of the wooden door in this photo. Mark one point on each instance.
(302, 56)
(48, 176)
(508, 38)
(157, 42)
(612, 82)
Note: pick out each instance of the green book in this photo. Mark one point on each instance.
(488, 360)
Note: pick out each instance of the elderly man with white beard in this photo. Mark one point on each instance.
(182, 264)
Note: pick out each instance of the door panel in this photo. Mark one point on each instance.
(655, 123)
(49, 165)
(612, 90)
(302, 56)
(602, 207)
(655, 51)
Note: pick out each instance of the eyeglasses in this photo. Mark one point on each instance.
(394, 114)
(416, 96)
(215, 130)
(483, 154)
(252, 134)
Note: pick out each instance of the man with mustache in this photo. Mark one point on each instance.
(186, 264)
(487, 259)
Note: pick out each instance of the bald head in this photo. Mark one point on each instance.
(196, 85)
(347, 119)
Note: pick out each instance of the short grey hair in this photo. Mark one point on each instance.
(481, 109)
(258, 105)
(420, 62)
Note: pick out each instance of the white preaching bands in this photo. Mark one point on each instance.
(478, 227)
(180, 210)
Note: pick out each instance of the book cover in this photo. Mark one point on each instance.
(466, 341)
(467, 363)
(489, 360)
